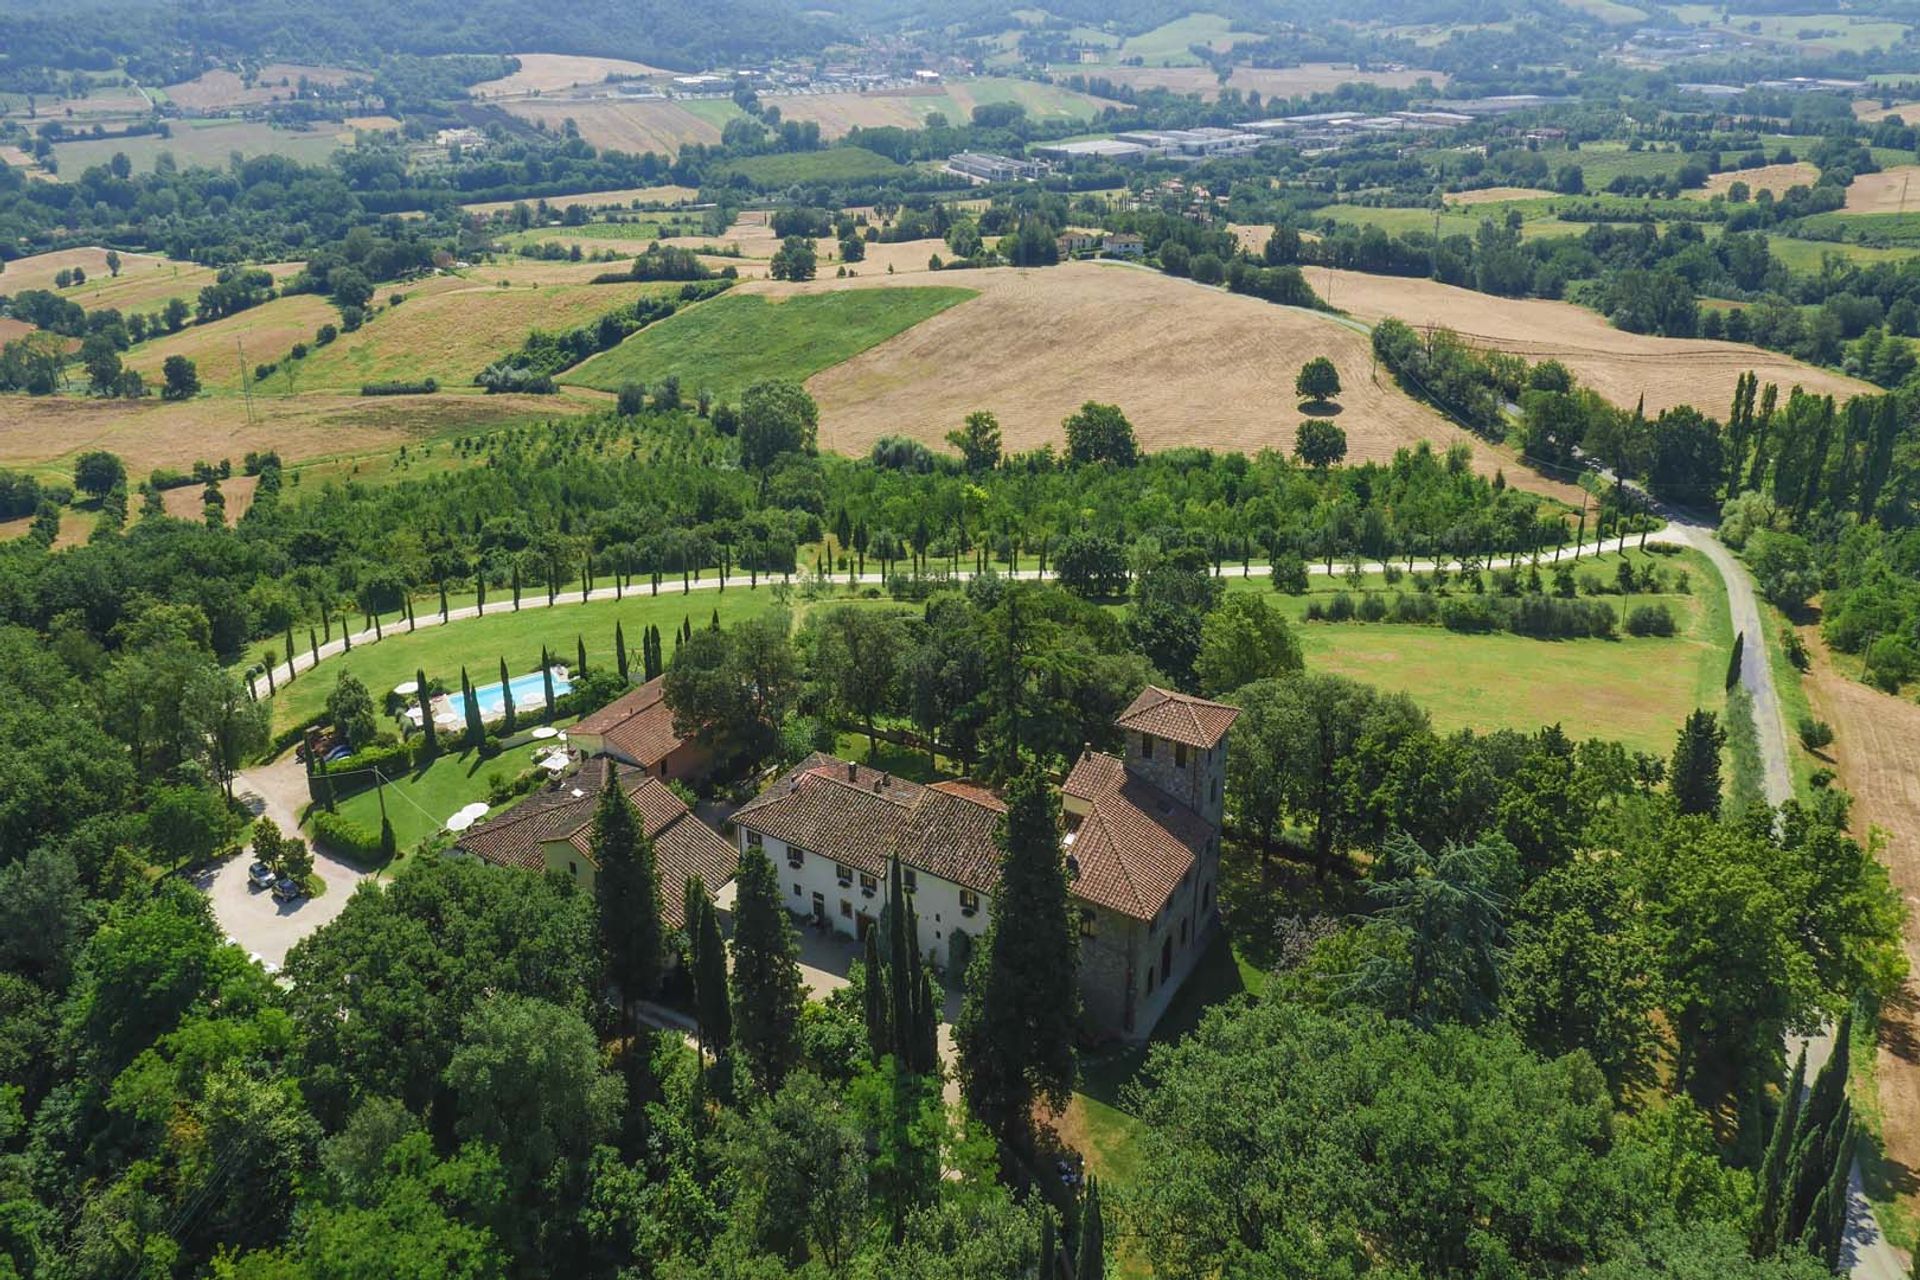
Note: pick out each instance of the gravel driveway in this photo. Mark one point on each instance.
(250, 916)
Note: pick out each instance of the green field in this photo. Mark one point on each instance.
(1635, 690)
(1602, 162)
(726, 345)
(1885, 229)
(1463, 221)
(633, 229)
(835, 164)
(205, 143)
(1805, 255)
(1166, 46)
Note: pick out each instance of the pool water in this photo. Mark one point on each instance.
(525, 689)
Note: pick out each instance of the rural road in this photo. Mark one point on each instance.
(1867, 1254)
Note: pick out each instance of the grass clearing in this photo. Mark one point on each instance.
(1633, 690)
(835, 164)
(737, 339)
(419, 803)
(203, 143)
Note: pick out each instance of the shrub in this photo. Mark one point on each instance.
(1815, 734)
(1340, 608)
(425, 387)
(1469, 614)
(1373, 607)
(1796, 651)
(344, 835)
(1290, 574)
(1650, 620)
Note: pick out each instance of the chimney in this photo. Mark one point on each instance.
(885, 781)
(853, 771)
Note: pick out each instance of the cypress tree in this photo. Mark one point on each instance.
(507, 722)
(1733, 659)
(313, 646)
(620, 652)
(691, 896)
(902, 990)
(346, 640)
(580, 656)
(1049, 1265)
(875, 1003)
(480, 594)
(1016, 1028)
(710, 984)
(627, 892)
(443, 600)
(1092, 1262)
(476, 730)
(927, 1023)
(1832, 1220)
(1830, 1086)
(515, 580)
(715, 624)
(1773, 1170)
(1695, 772)
(426, 713)
(767, 992)
(290, 653)
(546, 678)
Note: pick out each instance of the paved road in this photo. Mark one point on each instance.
(250, 916)
(1867, 1254)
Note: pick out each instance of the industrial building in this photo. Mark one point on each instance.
(987, 167)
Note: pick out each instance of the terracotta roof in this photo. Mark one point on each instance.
(682, 844)
(1178, 717)
(1135, 843)
(638, 725)
(1132, 848)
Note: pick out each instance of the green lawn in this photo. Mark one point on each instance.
(1166, 46)
(835, 164)
(418, 804)
(1894, 229)
(736, 340)
(635, 229)
(1805, 255)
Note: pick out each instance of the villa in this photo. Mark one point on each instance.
(1141, 843)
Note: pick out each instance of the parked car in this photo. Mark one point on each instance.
(285, 890)
(261, 876)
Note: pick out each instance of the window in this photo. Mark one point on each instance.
(820, 906)
(573, 869)
(1086, 922)
(843, 873)
(969, 902)
(796, 856)
(846, 909)
(1146, 746)
(912, 881)
(1179, 755)
(798, 892)
(868, 885)
(753, 838)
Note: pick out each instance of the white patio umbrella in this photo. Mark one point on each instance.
(461, 821)
(545, 731)
(408, 689)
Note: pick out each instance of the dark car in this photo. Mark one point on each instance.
(286, 890)
(261, 876)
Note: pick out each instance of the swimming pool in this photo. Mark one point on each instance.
(526, 689)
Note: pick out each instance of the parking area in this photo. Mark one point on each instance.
(251, 916)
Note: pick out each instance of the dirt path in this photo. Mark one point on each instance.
(1876, 752)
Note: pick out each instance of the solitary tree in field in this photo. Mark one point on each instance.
(794, 260)
(1695, 771)
(182, 379)
(1319, 444)
(1319, 381)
